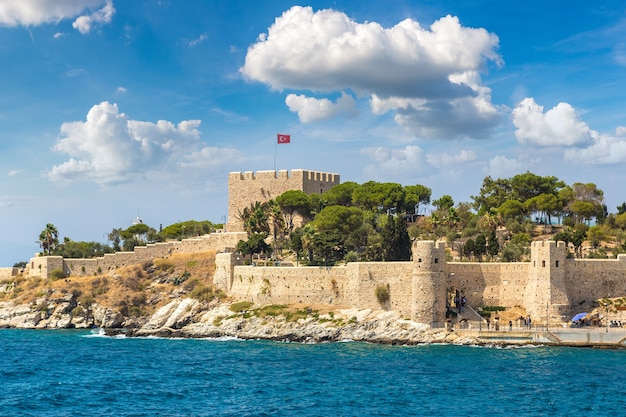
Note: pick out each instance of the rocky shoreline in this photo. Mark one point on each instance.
(188, 318)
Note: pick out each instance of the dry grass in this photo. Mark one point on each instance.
(134, 290)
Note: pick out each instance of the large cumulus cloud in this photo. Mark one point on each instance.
(604, 149)
(559, 126)
(109, 148)
(37, 12)
(563, 128)
(437, 67)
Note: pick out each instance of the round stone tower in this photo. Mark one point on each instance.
(428, 283)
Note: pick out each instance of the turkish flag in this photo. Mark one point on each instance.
(283, 138)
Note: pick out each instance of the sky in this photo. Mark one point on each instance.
(117, 109)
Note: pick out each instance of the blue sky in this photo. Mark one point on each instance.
(111, 109)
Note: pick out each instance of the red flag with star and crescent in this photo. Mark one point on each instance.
(283, 138)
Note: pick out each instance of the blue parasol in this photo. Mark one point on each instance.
(579, 316)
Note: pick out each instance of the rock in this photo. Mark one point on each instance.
(173, 315)
(105, 317)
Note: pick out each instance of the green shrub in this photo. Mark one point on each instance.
(179, 279)
(164, 265)
(78, 311)
(382, 294)
(204, 294)
(240, 306)
(86, 300)
(57, 273)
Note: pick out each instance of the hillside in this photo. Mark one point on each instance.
(130, 295)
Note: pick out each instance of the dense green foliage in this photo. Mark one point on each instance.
(377, 221)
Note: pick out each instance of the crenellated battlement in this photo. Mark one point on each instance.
(283, 174)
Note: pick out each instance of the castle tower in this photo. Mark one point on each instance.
(545, 294)
(248, 187)
(429, 283)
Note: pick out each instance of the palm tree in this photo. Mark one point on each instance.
(49, 238)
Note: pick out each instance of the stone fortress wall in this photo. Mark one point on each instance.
(550, 284)
(249, 187)
(42, 266)
(7, 273)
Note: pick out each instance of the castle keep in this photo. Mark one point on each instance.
(248, 187)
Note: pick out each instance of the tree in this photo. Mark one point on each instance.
(468, 248)
(596, 235)
(181, 230)
(414, 196)
(255, 244)
(620, 221)
(341, 194)
(294, 202)
(340, 218)
(395, 240)
(255, 218)
(511, 209)
(586, 203)
(49, 238)
(577, 240)
(328, 245)
(480, 246)
(547, 204)
(444, 203)
(115, 238)
(621, 209)
(492, 194)
(528, 185)
(379, 197)
(493, 246)
(71, 249)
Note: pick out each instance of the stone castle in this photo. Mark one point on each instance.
(551, 287)
(248, 187)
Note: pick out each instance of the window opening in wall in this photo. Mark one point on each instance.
(534, 264)
(543, 264)
(557, 264)
(419, 260)
(436, 260)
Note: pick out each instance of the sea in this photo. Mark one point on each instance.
(85, 373)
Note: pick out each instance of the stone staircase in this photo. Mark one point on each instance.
(469, 315)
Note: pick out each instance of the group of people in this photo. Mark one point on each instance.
(460, 302)
(616, 323)
(525, 322)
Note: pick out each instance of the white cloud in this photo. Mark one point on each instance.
(84, 23)
(386, 162)
(328, 51)
(108, 147)
(36, 12)
(14, 172)
(198, 40)
(502, 167)
(605, 149)
(121, 90)
(435, 67)
(311, 109)
(6, 204)
(210, 157)
(444, 160)
(559, 126)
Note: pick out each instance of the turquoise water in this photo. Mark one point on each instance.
(71, 373)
